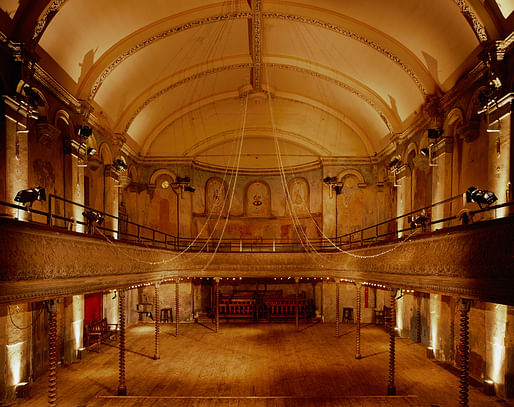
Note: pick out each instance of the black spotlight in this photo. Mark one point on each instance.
(189, 188)
(32, 96)
(28, 196)
(394, 162)
(338, 189)
(183, 180)
(92, 217)
(420, 219)
(480, 196)
(121, 164)
(424, 151)
(91, 152)
(330, 180)
(85, 132)
(434, 133)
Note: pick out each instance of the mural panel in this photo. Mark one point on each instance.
(215, 193)
(258, 200)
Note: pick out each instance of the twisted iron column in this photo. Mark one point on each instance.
(418, 320)
(217, 303)
(464, 307)
(122, 388)
(391, 389)
(297, 281)
(337, 309)
(157, 320)
(176, 306)
(52, 352)
(358, 323)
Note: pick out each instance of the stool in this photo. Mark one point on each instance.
(166, 315)
(348, 314)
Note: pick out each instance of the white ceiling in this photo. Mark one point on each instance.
(342, 76)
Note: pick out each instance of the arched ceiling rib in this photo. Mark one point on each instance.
(372, 63)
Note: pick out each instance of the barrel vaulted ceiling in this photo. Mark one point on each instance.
(324, 77)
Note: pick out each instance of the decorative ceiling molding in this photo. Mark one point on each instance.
(338, 83)
(43, 21)
(257, 44)
(478, 28)
(56, 88)
(354, 36)
(181, 82)
(249, 66)
(160, 36)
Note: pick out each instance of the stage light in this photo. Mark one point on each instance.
(84, 132)
(480, 196)
(121, 164)
(189, 188)
(92, 217)
(425, 151)
(420, 219)
(91, 152)
(28, 196)
(394, 162)
(434, 133)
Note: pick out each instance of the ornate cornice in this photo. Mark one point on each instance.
(478, 28)
(354, 36)
(56, 88)
(43, 20)
(160, 36)
(257, 44)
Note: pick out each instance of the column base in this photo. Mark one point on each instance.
(122, 391)
(391, 391)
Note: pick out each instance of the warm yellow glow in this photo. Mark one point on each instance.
(77, 334)
(14, 357)
(498, 342)
(435, 315)
(399, 314)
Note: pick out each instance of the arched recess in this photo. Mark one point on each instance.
(299, 193)
(105, 154)
(258, 199)
(352, 172)
(163, 211)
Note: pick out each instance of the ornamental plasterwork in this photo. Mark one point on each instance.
(160, 36)
(468, 13)
(257, 44)
(54, 8)
(352, 35)
(181, 82)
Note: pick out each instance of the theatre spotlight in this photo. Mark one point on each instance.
(121, 164)
(84, 132)
(480, 196)
(28, 196)
(33, 97)
(183, 180)
(425, 151)
(91, 152)
(92, 217)
(395, 161)
(330, 180)
(434, 133)
(420, 219)
(189, 188)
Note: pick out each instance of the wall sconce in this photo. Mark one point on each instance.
(334, 185)
(28, 196)
(480, 196)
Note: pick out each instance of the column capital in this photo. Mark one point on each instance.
(464, 304)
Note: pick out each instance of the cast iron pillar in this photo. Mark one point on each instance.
(358, 322)
(177, 304)
(391, 389)
(52, 352)
(122, 388)
(337, 309)
(217, 303)
(157, 320)
(297, 296)
(464, 307)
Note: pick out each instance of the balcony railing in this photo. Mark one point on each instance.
(452, 213)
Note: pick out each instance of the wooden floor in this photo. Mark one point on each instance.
(258, 365)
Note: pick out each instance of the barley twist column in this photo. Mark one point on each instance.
(358, 322)
(217, 303)
(337, 309)
(297, 297)
(464, 307)
(157, 320)
(177, 303)
(52, 352)
(418, 319)
(391, 389)
(122, 388)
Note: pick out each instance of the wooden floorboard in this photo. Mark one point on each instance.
(256, 365)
